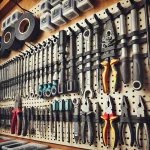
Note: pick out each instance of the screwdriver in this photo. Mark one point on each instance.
(51, 118)
(55, 115)
(68, 114)
(97, 117)
(137, 66)
(61, 116)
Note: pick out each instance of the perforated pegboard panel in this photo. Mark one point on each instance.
(126, 90)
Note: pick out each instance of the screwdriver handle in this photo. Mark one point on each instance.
(68, 104)
(83, 129)
(137, 72)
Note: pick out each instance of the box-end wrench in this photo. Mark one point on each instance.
(72, 84)
(54, 89)
(87, 38)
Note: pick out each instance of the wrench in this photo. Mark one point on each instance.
(87, 38)
(54, 89)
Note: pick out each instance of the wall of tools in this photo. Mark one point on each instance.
(83, 82)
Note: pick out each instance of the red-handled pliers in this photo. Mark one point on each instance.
(16, 123)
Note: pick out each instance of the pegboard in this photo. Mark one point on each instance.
(100, 97)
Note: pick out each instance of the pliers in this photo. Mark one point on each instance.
(108, 40)
(141, 115)
(125, 118)
(109, 117)
(87, 115)
(16, 123)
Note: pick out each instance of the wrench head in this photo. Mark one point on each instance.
(72, 86)
(88, 91)
(85, 107)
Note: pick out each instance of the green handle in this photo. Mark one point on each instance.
(55, 105)
(68, 104)
(61, 105)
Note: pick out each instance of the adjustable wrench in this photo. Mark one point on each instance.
(54, 89)
(72, 84)
(49, 85)
(87, 38)
(62, 51)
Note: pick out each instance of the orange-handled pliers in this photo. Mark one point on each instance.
(108, 40)
(109, 118)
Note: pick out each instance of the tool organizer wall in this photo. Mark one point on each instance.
(126, 90)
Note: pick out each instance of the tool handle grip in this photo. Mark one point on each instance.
(19, 122)
(137, 72)
(113, 64)
(125, 70)
(105, 74)
(83, 129)
(25, 126)
(114, 128)
(13, 122)
(90, 129)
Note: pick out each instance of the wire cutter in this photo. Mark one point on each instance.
(125, 118)
(109, 117)
(141, 115)
(16, 123)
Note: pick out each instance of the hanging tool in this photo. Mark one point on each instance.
(54, 89)
(42, 114)
(62, 52)
(80, 43)
(72, 84)
(97, 118)
(87, 39)
(109, 116)
(16, 123)
(45, 69)
(68, 115)
(76, 115)
(108, 40)
(32, 130)
(25, 121)
(61, 117)
(37, 118)
(29, 118)
(141, 114)
(125, 66)
(48, 92)
(46, 119)
(51, 119)
(87, 115)
(55, 115)
(137, 61)
(41, 70)
(147, 29)
(96, 32)
(125, 118)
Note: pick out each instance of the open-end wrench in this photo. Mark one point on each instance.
(87, 38)
(54, 89)
(49, 85)
(72, 84)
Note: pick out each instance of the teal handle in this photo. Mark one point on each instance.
(44, 89)
(48, 90)
(54, 88)
(61, 105)
(55, 105)
(41, 91)
(68, 104)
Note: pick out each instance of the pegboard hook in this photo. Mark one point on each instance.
(80, 27)
(88, 23)
(109, 13)
(120, 7)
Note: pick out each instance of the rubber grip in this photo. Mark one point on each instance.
(90, 128)
(13, 122)
(113, 64)
(125, 70)
(114, 128)
(147, 135)
(137, 72)
(120, 133)
(131, 134)
(19, 122)
(105, 74)
(105, 131)
(83, 129)
(25, 126)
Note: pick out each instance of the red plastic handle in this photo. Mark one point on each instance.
(13, 122)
